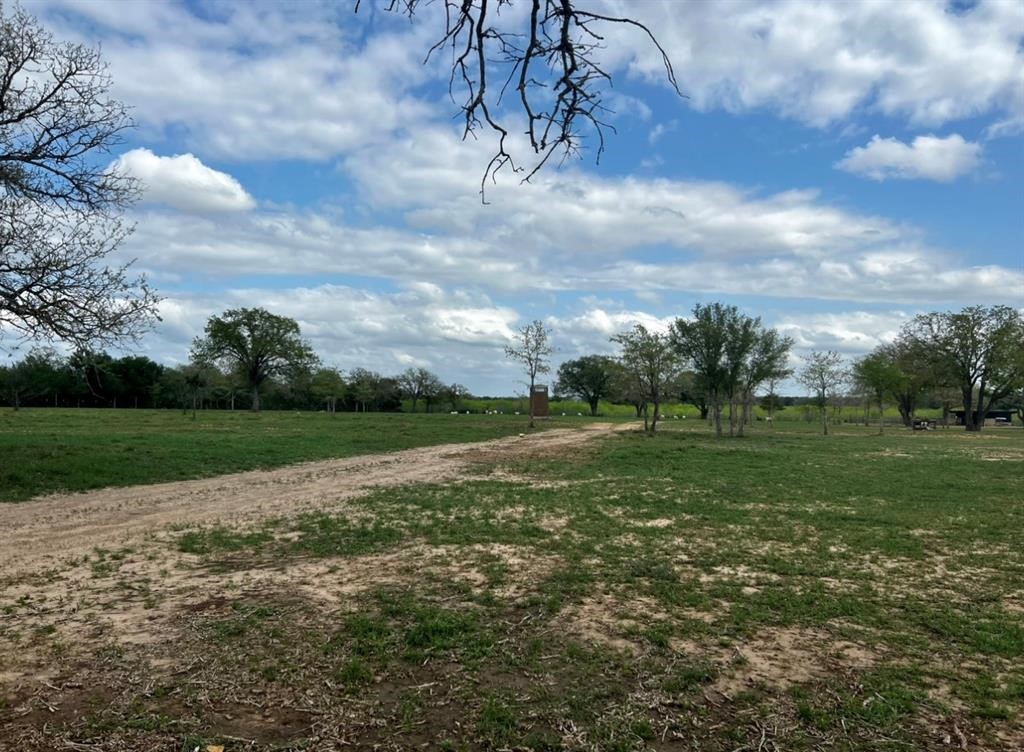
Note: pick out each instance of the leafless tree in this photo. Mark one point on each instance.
(60, 208)
(550, 62)
(532, 349)
(824, 373)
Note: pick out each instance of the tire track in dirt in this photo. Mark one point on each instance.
(38, 533)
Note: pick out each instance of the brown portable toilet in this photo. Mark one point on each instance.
(539, 401)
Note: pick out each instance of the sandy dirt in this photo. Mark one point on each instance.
(47, 530)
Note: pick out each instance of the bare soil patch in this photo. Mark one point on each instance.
(42, 532)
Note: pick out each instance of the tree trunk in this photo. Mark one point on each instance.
(968, 395)
(645, 418)
(824, 417)
(881, 417)
(232, 400)
(414, 400)
(593, 408)
(982, 409)
(703, 412)
(654, 420)
(255, 399)
(530, 396)
(716, 411)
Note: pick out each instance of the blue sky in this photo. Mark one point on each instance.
(835, 168)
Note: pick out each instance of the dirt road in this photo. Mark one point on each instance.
(44, 531)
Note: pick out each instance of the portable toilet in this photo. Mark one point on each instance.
(539, 401)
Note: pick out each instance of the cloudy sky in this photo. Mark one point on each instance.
(835, 168)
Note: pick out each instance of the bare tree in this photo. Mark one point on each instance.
(824, 374)
(59, 207)
(550, 61)
(532, 349)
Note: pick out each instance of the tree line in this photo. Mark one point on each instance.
(248, 358)
(719, 358)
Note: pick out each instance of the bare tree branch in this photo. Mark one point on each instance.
(60, 208)
(559, 80)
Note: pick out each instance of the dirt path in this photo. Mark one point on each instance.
(43, 531)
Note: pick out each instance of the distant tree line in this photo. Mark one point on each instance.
(45, 378)
(721, 360)
(248, 358)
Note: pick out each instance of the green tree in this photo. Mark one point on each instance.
(730, 354)
(625, 390)
(765, 360)
(879, 376)
(532, 349)
(417, 384)
(693, 391)
(824, 374)
(137, 378)
(589, 378)
(653, 366)
(255, 343)
(328, 386)
(978, 350)
(453, 394)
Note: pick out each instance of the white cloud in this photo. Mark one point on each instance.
(926, 158)
(571, 230)
(821, 62)
(184, 182)
(660, 129)
(258, 81)
(457, 334)
(313, 81)
(590, 331)
(851, 333)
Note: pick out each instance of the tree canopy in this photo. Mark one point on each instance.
(589, 378)
(730, 354)
(653, 366)
(978, 350)
(824, 374)
(256, 343)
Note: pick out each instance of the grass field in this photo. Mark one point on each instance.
(48, 450)
(784, 591)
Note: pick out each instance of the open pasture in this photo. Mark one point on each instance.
(575, 589)
(54, 450)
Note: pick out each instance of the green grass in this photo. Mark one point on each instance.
(786, 590)
(54, 450)
(907, 545)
